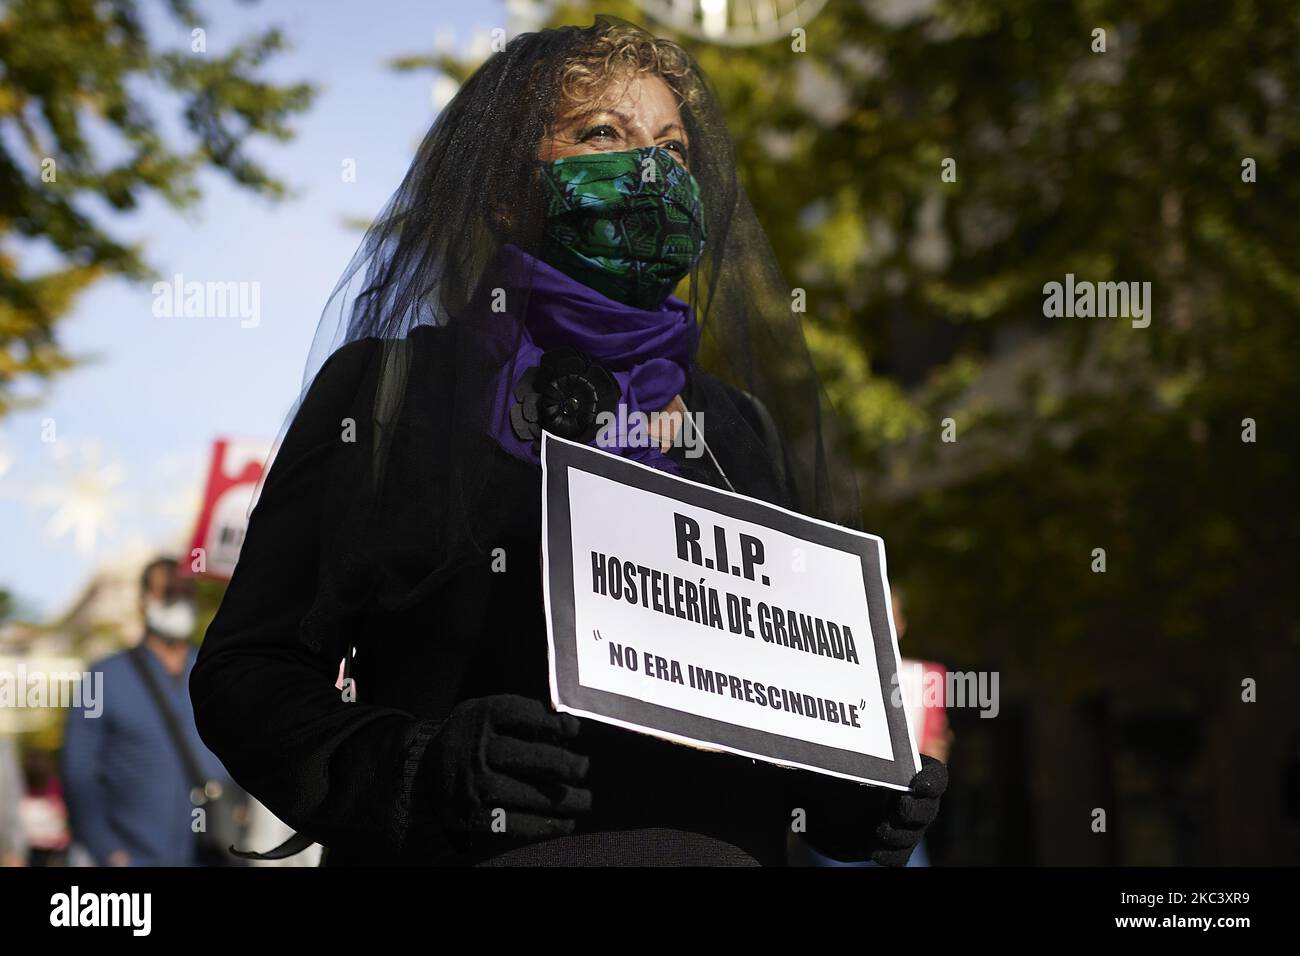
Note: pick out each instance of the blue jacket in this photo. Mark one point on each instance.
(124, 781)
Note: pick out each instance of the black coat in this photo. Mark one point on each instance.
(343, 772)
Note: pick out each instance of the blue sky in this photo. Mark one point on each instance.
(139, 417)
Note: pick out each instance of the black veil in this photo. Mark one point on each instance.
(417, 483)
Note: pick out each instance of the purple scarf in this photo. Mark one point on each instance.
(646, 351)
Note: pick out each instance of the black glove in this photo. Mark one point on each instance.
(849, 821)
(908, 814)
(504, 752)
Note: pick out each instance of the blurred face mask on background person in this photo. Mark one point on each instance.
(173, 620)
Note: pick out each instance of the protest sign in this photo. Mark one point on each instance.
(719, 621)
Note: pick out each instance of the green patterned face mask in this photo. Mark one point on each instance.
(627, 224)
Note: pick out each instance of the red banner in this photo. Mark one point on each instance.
(233, 475)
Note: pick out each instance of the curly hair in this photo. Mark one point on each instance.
(621, 51)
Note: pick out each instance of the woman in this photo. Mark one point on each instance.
(520, 279)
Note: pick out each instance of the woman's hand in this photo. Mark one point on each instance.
(906, 815)
(849, 821)
(501, 764)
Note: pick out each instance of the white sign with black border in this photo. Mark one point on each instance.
(719, 621)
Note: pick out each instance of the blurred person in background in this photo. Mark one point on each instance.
(137, 775)
(44, 813)
(522, 280)
(13, 844)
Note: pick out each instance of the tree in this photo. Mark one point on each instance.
(77, 130)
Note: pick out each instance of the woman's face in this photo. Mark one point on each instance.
(639, 111)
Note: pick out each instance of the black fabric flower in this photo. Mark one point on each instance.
(563, 395)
